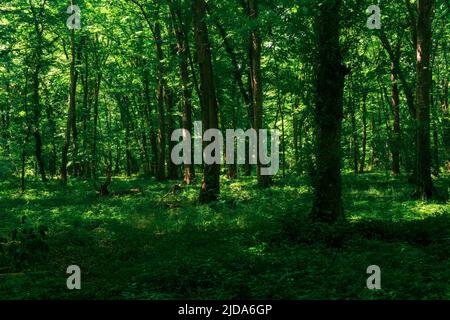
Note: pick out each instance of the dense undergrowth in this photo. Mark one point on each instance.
(252, 244)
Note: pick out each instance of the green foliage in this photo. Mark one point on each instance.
(6, 168)
(253, 244)
(25, 246)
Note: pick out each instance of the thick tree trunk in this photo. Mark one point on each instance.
(327, 204)
(424, 184)
(211, 173)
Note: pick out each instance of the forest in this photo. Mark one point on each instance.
(93, 205)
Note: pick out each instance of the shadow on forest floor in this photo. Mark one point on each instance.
(255, 244)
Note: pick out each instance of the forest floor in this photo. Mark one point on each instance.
(251, 244)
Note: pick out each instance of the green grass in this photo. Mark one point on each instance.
(251, 244)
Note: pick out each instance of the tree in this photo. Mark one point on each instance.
(181, 34)
(210, 188)
(71, 114)
(396, 139)
(327, 205)
(38, 17)
(424, 184)
(161, 164)
(264, 181)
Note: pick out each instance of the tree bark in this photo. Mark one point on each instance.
(446, 122)
(394, 55)
(424, 184)
(181, 35)
(364, 139)
(172, 169)
(327, 205)
(396, 139)
(264, 181)
(161, 163)
(37, 58)
(211, 173)
(71, 122)
(296, 139)
(354, 138)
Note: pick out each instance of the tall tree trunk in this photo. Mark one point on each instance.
(27, 136)
(238, 75)
(396, 140)
(71, 110)
(250, 117)
(364, 139)
(211, 173)
(5, 119)
(161, 163)
(354, 140)
(327, 205)
(296, 140)
(283, 143)
(37, 59)
(373, 142)
(424, 184)
(126, 119)
(232, 168)
(150, 123)
(446, 118)
(183, 62)
(95, 129)
(436, 160)
(446, 121)
(86, 165)
(52, 132)
(172, 169)
(387, 145)
(36, 124)
(264, 181)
